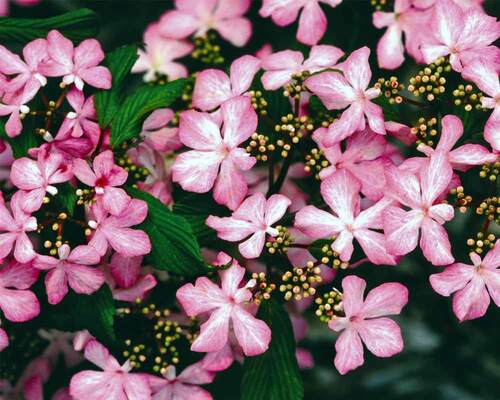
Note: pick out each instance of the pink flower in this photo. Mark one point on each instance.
(463, 157)
(115, 231)
(338, 91)
(115, 382)
(104, 178)
(159, 55)
(312, 22)
(405, 19)
(60, 344)
(213, 87)
(38, 177)
(81, 121)
(363, 158)
(225, 304)
(184, 386)
(341, 192)
(15, 106)
(16, 302)
(463, 35)
(198, 17)
(26, 72)
(15, 227)
(485, 77)
(156, 132)
(471, 284)
(255, 217)
(282, 65)
(76, 65)
(362, 324)
(216, 161)
(420, 194)
(72, 268)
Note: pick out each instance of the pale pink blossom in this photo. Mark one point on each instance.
(24, 73)
(485, 77)
(463, 35)
(364, 322)
(341, 192)
(16, 108)
(226, 17)
(227, 307)
(14, 228)
(82, 120)
(252, 221)
(312, 21)
(158, 134)
(104, 178)
(213, 87)
(463, 157)
(78, 65)
(38, 177)
(115, 382)
(426, 213)
(115, 231)
(182, 386)
(216, 161)
(280, 66)
(160, 54)
(472, 284)
(71, 269)
(350, 89)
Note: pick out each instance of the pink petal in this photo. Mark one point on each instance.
(341, 192)
(403, 186)
(129, 242)
(199, 131)
(453, 278)
(386, 299)
(471, 154)
(23, 251)
(472, 301)
(84, 254)
(451, 130)
(492, 280)
(99, 355)
(242, 73)
(253, 209)
(177, 24)
(214, 332)
(212, 88)
(353, 289)
(56, 285)
(322, 56)
(83, 172)
(349, 351)
(343, 245)
(138, 291)
(136, 387)
(253, 335)
(382, 336)
(202, 297)
(449, 21)
(18, 305)
(333, 89)
(372, 217)
(196, 374)
(373, 244)
(125, 270)
(441, 213)
(60, 49)
(251, 248)
(83, 279)
(492, 258)
(97, 385)
(275, 208)
(401, 229)
(312, 24)
(98, 77)
(230, 229)
(357, 68)
(435, 244)
(231, 186)
(115, 200)
(17, 275)
(231, 279)
(25, 174)
(240, 121)
(4, 339)
(236, 31)
(375, 117)
(351, 120)
(283, 12)
(317, 223)
(88, 54)
(390, 49)
(220, 360)
(196, 171)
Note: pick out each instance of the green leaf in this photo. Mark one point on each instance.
(174, 245)
(93, 312)
(75, 25)
(107, 102)
(274, 375)
(139, 105)
(19, 144)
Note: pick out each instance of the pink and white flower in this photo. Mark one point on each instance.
(156, 132)
(350, 89)
(216, 161)
(254, 218)
(16, 107)
(227, 307)
(364, 322)
(473, 285)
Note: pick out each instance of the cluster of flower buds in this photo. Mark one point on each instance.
(430, 82)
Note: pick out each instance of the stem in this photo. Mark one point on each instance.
(271, 173)
(358, 263)
(281, 177)
(415, 103)
(486, 225)
(299, 246)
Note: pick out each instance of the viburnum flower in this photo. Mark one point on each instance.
(104, 177)
(485, 76)
(471, 284)
(73, 269)
(338, 91)
(254, 218)
(362, 157)
(15, 106)
(37, 177)
(363, 323)
(213, 87)
(198, 17)
(216, 160)
(78, 65)
(226, 305)
(280, 66)
(420, 194)
(312, 21)
(183, 386)
(115, 231)
(341, 192)
(16, 302)
(82, 120)
(159, 55)
(405, 19)
(157, 134)
(115, 382)
(463, 35)
(15, 228)
(462, 157)
(26, 72)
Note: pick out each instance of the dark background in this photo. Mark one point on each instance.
(442, 359)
